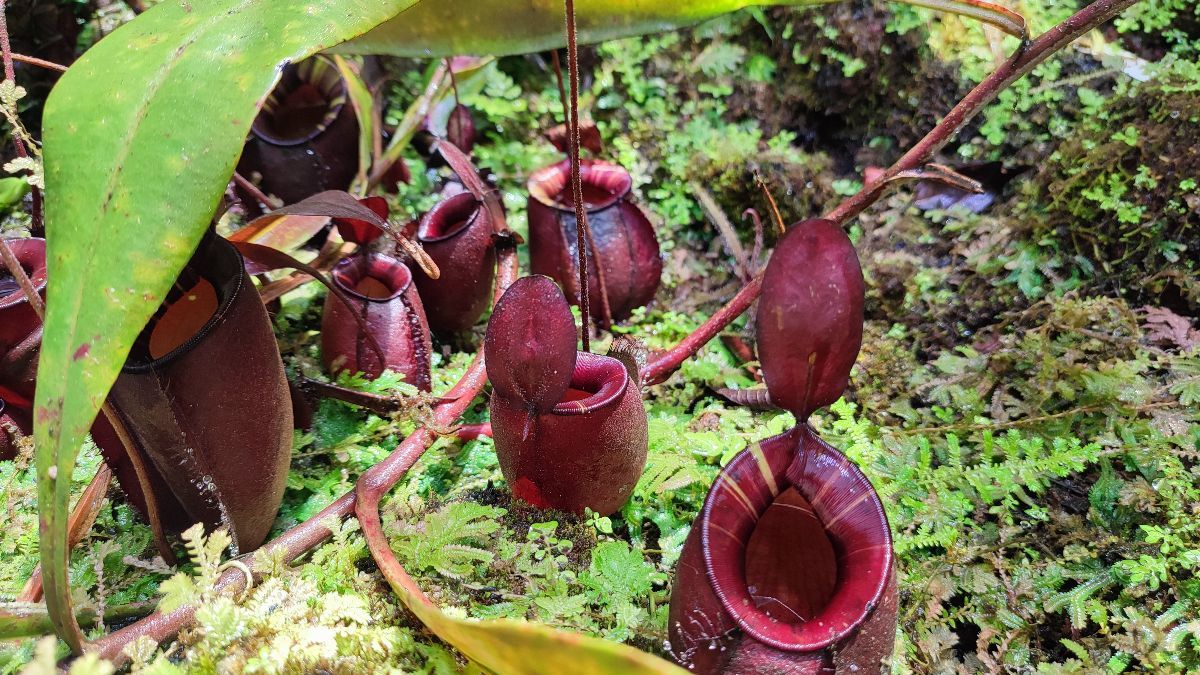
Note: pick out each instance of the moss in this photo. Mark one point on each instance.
(1122, 196)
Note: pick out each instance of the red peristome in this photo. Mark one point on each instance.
(587, 452)
(457, 235)
(380, 290)
(789, 567)
(204, 398)
(626, 247)
(810, 317)
(362, 232)
(529, 348)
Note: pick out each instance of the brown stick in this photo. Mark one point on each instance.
(562, 90)
(254, 192)
(41, 63)
(725, 228)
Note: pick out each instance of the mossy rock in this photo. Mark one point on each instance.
(1122, 197)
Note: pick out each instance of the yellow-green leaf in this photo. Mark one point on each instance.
(141, 135)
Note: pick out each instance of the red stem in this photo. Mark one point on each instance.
(562, 91)
(1021, 63)
(469, 432)
(665, 363)
(583, 233)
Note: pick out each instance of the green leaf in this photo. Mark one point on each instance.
(141, 135)
(617, 569)
(450, 27)
(12, 190)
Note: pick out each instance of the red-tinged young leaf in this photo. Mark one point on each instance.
(529, 348)
(282, 233)
(363, 232)
(462, 166)
(810, 318)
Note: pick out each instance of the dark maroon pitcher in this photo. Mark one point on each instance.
(569, 427)
(380, 289)
(624, 265)
(457, 236)
(204, 397)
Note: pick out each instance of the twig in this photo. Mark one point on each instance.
(255, 192)
(408, 126)
(1021, 63)
(29, 619)
(562, 91)
(756, 253)
(725, 228)
(762, 185)
(1027, 421)
(42, 63)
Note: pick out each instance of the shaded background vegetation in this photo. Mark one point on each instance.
(1026, 402)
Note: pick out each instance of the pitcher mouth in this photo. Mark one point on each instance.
(449, 218)
(308, 98)
(604, 185)
(392, 276)
(221, 267)
(31, 254)
(843, 504)
(597, 383)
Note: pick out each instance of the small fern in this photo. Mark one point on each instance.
(448, 540)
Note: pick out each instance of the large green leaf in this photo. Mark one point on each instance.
(450, 27)
(141, 135)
